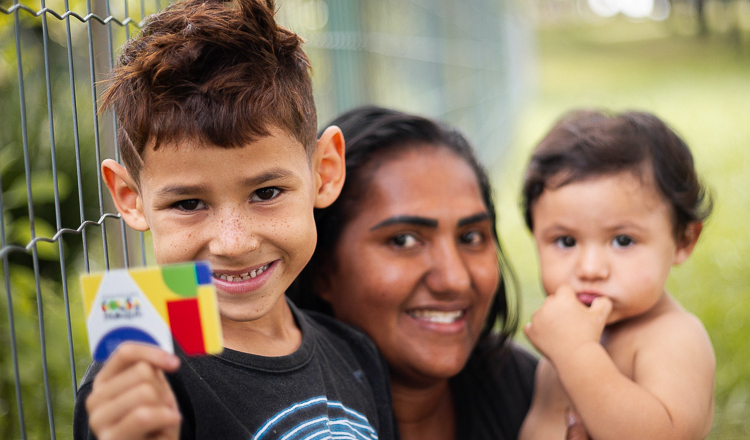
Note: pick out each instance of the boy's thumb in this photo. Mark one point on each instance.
(602, 306)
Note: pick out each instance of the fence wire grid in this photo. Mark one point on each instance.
(457, 61)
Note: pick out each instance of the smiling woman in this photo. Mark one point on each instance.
(409, 254)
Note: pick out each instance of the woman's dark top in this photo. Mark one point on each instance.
(492, 394)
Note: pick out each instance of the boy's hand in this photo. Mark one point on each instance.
(564, 323)
(131, 398)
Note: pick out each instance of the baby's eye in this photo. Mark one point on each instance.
(265, 194)
(190, 205)
(622, 241)
(404, 241)
(472, 238)
(566, 241)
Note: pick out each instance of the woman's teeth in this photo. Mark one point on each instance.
(437, 316)
(241, 277)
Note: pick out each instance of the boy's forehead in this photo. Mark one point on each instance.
(187, 144)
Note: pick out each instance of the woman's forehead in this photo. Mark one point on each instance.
(425, 181)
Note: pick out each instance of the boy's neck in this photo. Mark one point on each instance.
(275, 334)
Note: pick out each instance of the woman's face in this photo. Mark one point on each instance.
(416, 267)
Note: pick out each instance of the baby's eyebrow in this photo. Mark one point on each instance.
(407, 219)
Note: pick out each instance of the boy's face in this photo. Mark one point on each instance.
(248, 211)
(610, 235)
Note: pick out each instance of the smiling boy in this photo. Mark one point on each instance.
(217, 134)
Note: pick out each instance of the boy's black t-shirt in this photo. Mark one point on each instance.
(492, 394)
(335, 385)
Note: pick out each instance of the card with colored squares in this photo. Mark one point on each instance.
(152, 305)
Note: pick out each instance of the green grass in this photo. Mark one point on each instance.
(702, 89)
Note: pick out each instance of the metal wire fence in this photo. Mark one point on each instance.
(452, 60)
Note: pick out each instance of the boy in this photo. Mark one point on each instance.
(613, 203)
(217, 132)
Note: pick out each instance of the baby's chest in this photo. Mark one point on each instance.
(622, 348)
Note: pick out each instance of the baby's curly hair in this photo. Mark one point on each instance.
(591, 143)
(220, 72)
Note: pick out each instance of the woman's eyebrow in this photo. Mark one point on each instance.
(482, 216)
(407, 219)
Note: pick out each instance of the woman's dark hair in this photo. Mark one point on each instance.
(373, 136)
(592, 143)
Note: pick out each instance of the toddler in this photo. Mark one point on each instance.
(613, 202)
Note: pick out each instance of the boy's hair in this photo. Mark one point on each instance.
(591, 143)
(220, 72)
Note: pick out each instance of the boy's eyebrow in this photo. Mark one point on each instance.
(272, 174)
(179, 190)
(476, 218)
(407, 219)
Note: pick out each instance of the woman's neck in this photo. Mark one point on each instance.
(424, 412)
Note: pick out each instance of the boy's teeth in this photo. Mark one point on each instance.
(437, 316)
(242, 277)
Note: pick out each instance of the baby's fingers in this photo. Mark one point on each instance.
(601, 307)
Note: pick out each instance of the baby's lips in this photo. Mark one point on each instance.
(587, 298)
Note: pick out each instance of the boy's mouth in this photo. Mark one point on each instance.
(243, 276)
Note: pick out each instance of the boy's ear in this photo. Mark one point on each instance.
(686, 243)
(125, 194)
(329, 166)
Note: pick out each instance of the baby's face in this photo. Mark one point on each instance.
(610, 235)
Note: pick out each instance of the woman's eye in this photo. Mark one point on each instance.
(190, 205)
(622, 241)
(405, 241)
(264, 194)
(473, 238)
(566, 241)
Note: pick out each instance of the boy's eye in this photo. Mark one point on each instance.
(190, 205)
(565, 241)
(622, 241)
(472, 238)
(264, 194)
(404, 241)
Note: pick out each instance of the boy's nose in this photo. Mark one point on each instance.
(448, 273)
(234, 235)
(592, 264)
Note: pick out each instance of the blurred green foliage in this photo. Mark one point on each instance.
(701, 87)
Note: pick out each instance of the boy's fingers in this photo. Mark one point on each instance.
(145, 422)
(128, 354)
(108, 410)
(602, 307)
(141, 373)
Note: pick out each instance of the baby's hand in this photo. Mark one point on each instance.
(563, 323)
(131, 398)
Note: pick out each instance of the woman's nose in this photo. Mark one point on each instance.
(234, 234)
(448, 271)
(592, 264)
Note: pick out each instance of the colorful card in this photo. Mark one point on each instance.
(152, 305)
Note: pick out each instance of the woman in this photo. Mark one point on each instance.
(409, 253)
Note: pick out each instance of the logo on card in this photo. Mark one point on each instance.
(121, 307)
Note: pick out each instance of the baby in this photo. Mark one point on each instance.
(613, 203)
